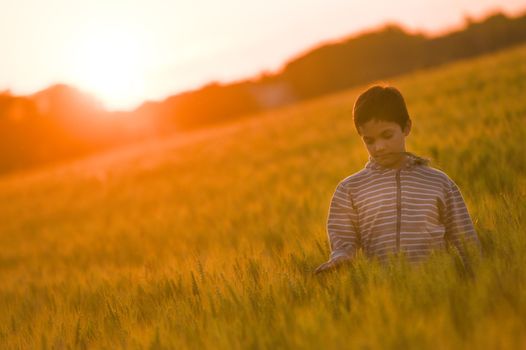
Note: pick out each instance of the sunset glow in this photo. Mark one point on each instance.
(110, 63)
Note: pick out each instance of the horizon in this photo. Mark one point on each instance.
(140, 67)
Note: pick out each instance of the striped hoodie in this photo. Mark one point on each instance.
(414, 210)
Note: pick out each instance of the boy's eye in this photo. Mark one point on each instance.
(388, 135)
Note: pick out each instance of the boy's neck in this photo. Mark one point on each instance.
(401, 163)
(408, 160)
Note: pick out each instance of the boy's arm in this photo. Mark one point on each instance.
(341, 229)
(458, 223)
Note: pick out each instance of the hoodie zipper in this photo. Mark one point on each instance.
(398, 209)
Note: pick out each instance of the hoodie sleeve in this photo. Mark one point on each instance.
(342, 226)
(457, 221)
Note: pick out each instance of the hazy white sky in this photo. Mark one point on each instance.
(131, 50)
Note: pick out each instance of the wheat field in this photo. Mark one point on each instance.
(208, 240)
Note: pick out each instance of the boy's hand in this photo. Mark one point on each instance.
(323, 267)
(330, 265)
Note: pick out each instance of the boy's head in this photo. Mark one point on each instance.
(380, 103)
(381, 119)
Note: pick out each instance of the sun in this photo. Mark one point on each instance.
(110, 63)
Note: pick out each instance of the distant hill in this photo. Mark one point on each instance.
(61, 122)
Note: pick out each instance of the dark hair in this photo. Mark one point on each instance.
(380, 103)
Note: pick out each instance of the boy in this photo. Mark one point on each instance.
(397, 203)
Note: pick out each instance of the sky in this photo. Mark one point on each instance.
(126, 52)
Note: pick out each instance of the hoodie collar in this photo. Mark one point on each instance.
(411, 160)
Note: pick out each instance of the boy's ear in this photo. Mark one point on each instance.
(407, 128)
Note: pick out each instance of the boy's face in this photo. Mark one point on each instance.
(385, 141)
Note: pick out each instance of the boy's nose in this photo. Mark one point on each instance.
(379, 147)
